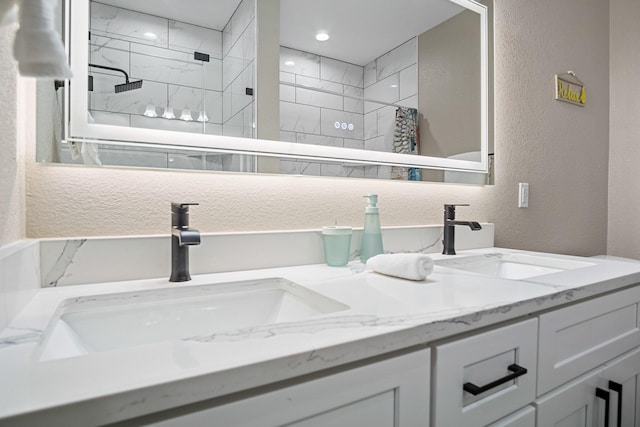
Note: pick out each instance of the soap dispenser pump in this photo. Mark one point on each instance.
(372, 234)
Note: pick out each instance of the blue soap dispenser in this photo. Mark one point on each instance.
(372, 234)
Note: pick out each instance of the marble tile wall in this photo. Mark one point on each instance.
(19, 277)
(312, 117)
(308, 116)
(122, 38)
(173, 78)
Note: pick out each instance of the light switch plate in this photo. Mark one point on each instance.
(523, 195)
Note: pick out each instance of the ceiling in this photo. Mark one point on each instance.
(205, 13)
(360, 30)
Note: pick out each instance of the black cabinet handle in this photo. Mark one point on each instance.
(617, 387)
(476, 390)
(604, 395)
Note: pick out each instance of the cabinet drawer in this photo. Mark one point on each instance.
(576, 339)
(481, 360)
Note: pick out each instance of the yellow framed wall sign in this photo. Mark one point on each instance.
(570, 89)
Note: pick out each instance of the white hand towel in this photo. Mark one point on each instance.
(405, 266)
(38, 48)
(8, 12)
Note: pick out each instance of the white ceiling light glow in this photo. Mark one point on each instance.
(322, 36)
(289, 63)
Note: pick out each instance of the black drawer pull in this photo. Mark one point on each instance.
(476, 390)
(604, 395)
(617, 387)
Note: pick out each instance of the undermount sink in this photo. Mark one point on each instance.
(512, 265)
(113, 321)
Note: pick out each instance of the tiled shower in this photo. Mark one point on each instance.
(180, 92)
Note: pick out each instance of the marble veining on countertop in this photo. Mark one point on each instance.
(384, 314)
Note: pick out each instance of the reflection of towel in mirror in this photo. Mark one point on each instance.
(406, 141)
(404, 266)
(87, 150)
(38, 47)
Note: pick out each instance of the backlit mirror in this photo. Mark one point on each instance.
(398, 91)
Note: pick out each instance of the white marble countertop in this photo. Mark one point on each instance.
(385, 314)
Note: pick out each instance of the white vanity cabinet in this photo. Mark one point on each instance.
(388, 393)
(577, 358)
(553, 369)
(586, 352)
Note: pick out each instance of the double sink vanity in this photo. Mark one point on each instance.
(492, 337)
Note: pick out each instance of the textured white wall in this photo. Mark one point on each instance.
(12, 165)
(624, 134)
(560, 149)
(80, 201)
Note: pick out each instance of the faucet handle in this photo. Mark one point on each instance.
(450, 211)
(181, 207)
(453, 207)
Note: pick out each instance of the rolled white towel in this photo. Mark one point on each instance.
(405, 266)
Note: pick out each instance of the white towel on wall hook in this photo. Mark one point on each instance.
(8, 12)
(38, 47)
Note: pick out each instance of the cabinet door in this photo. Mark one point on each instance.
(500, 362)
(573, 405)
(526, 417)
(621, 378)
(390, 393)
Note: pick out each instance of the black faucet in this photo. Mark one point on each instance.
(181, 238)
(448, 243)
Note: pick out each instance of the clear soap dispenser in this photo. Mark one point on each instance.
(372, 234)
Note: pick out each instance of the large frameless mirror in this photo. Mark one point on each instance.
(397, 90)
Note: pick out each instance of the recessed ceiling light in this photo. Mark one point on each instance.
(151, 36)
(289, 63)
(322, 36)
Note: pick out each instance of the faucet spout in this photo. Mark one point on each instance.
(181, 238)
(187, 237)
(448, 242)
(474, 226)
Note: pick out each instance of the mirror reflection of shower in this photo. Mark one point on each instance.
(196, 79)
(327, 101)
